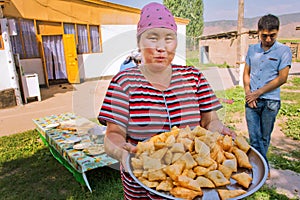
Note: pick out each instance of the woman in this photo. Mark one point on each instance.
(155, 96)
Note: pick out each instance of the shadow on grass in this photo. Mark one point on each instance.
(29, 171)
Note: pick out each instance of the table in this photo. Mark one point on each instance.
(76, 161)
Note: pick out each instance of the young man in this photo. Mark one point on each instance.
(267, 68)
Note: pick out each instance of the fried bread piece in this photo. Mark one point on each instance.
(157, 175)
(205, 182)
(189, 173)
(242, 143)
(227, 142)
(217, 178)
(242, 179)
(199, 170)
(189, 160)
(175, 169)
(226, 171)
(189, 183)
(201, 148)
(181, 192)
(242, 158)
(165, 185)
(231, 163)
(151, 184)
(159, 154)
(177, 148)
(204, 161)
(227, 194)
(151, 163)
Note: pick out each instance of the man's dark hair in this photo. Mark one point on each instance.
(268, 22)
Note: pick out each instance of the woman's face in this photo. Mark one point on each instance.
(158, 46)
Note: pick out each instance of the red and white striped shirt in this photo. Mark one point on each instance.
(132, 102)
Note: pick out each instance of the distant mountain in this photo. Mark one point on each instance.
(288, 24)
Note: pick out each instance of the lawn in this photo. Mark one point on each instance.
(29, 171)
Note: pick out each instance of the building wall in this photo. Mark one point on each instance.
(34, 66)
(4, 75)
(225, 50)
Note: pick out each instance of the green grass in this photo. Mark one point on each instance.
(268, 193)
(29, 171)
(289, 41)
(284, 160)
(290, 108)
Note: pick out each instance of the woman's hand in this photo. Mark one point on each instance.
(227, 131)
(211, 121)
(128, 148)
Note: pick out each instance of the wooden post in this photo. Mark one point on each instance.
(239, 52)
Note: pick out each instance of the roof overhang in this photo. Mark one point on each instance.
(228, 35)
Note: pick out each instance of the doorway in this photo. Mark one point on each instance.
(55, 59)
(60, 59)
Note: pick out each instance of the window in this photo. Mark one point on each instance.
(95, 39)
(29, 38)
(69, 28)
(16, 40)
(82, 33)
(83, 39)
(24, 43)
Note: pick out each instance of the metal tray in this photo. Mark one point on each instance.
(259, 174)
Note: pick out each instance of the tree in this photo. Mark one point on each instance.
(192, 10)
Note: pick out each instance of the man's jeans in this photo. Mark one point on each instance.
(260, 122)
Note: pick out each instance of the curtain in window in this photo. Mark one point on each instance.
(69, 28)
(82, 39)
(29, 38)
(55, 58)
(16, 40)
(95, 39)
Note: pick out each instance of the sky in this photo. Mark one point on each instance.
(228, 9)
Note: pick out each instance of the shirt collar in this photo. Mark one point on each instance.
(273, 47)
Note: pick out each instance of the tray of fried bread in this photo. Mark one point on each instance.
(197, 164)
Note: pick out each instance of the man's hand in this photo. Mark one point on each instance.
(252, 96)
(252, 104)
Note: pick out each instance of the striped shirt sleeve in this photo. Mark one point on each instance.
(115, 105)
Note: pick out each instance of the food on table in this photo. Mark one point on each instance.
(182, 161)
(54, 125)
(82, 145)
(95, 149)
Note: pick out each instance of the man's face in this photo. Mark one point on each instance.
(268, 37)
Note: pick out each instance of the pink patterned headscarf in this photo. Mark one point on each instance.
(155, 15)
